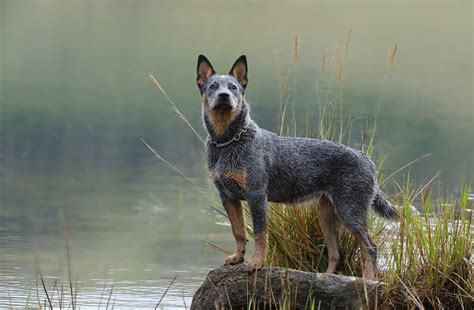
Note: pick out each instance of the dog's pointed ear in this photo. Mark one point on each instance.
(239, 70)
(204, 70)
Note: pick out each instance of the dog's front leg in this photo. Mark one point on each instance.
(258, 208)
(236, 218)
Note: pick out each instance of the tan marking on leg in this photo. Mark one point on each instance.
(368, 271)
(238, 176)
(213, 175)
(237, 221)
(331, 229)
(258, 258)
(221, 121)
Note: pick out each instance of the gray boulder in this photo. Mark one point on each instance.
(233, 287)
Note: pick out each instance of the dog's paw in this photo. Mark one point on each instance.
(234, 259)
(255, 264)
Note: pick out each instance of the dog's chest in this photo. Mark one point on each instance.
(228, 172)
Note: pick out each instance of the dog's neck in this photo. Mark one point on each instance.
(240, 123)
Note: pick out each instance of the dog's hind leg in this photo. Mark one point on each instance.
(370, 261)
(331, 229)
(236, 218)
(354, 216)
(368, 250)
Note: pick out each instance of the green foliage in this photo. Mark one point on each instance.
(430, 261)
(425, 260)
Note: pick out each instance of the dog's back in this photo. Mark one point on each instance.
(299, 169)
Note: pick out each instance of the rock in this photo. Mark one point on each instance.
(229, 287)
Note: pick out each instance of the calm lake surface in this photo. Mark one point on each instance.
(75, 99)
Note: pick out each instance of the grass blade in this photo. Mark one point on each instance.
(166, 291)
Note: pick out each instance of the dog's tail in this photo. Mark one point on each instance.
(383, 208)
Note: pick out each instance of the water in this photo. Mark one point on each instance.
(122, 234)
(75, 98)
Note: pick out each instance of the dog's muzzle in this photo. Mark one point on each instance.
(223, 103)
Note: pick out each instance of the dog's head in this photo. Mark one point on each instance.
(222, 94)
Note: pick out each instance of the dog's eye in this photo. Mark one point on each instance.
(233, 87)
(213, 86)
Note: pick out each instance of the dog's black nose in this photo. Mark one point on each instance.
(223, 96)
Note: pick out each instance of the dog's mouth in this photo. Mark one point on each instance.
(222, 106)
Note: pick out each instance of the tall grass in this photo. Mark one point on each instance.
(430, 260)
(425, 260)
(66, 296)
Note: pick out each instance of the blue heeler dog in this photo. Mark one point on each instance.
(253, 164)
